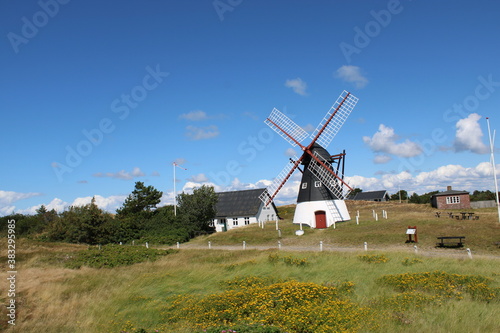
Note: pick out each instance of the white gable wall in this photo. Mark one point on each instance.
(264, 214)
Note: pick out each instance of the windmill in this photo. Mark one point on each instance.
(320, 201)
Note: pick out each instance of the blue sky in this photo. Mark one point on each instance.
(98, 95)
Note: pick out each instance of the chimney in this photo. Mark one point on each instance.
(448, 188)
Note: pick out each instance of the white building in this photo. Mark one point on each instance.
(239, 208)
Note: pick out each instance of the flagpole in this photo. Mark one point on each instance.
(175, 200)
(492, 159)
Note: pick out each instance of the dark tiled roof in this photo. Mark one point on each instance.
(371, 195)
(239, 203)
(450, 192)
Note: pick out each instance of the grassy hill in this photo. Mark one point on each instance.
(298, 289)
(482, 236)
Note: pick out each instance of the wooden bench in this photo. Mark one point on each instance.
(450, 241)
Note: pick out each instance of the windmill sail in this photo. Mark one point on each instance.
(334, 119)
(286, 127)
(279, 181)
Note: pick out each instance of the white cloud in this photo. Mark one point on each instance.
(384, 141)
(309, 128)
(382, 159)
(109, 204)
(202, 133)
(298, 86)
(199, 178)
(250, 115)
(479, 177)
(8, 197)
(196, 115)
(352, 74)
(469, 135)
(122, 174)
(290, 152)
(180, 161)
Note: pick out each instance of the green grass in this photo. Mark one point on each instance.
(482, 236)
(53, 298)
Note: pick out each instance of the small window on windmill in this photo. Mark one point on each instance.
(304, 186)
(317, 183)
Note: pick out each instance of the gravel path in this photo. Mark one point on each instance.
(428, 252)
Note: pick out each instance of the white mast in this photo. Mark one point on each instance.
(492, 160)
(175, 193)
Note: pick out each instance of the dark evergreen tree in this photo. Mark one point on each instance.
(142, 200)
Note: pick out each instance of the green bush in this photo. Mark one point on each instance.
(115, 255)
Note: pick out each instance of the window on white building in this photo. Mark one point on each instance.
(247, 220)
(452, 200)
(235, 221)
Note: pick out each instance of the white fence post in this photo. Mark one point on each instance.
(244, 245)
(209, 245)
(321, 246)
(469, 253)
(279, 245)
(357, 220)
(366, 246)
(178, 245)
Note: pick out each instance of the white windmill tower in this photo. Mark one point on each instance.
(320, 202)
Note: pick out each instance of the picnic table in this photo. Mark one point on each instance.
(469, 216)
(450, 241)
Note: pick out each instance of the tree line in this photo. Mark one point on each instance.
(137, 219)
(426, 197)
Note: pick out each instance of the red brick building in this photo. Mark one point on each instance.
(451, 199)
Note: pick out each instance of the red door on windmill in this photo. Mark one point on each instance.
(320, 219)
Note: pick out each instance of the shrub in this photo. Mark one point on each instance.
(289, 260)
(289, 306)
(373, 259)
(443, 285)
(115, 255)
